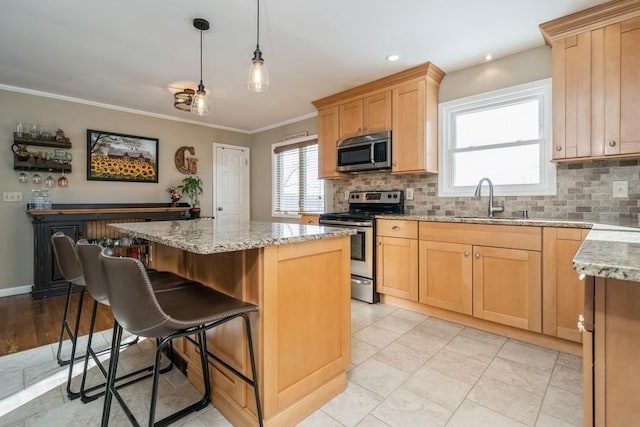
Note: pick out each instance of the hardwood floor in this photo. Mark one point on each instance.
(29, 323)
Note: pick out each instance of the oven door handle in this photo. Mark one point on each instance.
(345, 223)
(360, 282)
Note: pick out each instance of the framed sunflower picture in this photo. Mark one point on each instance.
(119, 157)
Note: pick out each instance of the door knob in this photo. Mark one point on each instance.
(220, 208)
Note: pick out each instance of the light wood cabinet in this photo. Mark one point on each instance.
(615, 349)
(492, 272)
(309, 219)
(415, 127)
(562, 290)
(397, 258)
(596, 82)
(445, 275)
(405, 102)
(366, 115)
(507, 287)
(327, 142)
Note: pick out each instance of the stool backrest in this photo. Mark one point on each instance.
(65, 253)
(96, 281)
(133, 302)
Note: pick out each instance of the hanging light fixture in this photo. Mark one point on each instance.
(189, 100)
(258, 73)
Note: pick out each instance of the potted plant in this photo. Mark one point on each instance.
(191, 187)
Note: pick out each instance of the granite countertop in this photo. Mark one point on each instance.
(537, 222)
(610, 252)
(207, 237)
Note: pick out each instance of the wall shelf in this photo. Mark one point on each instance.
(36, 163)
(42, 142)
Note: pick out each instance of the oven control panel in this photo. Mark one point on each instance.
(394, 197)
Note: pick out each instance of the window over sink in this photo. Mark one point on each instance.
(504, 135)
(295, 183)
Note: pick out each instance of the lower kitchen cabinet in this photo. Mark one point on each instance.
(445, 271)
(562, 291)
(507, 287)
(492, 272)
(615, 349)
(397, 259)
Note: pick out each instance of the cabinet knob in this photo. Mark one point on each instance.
(477, 255)
(558, 148)
(379, 243)
(359, 129)
(310, 221)
(582, 277)
(395, 163)
(395, 228)
(466, 253)
(581, 327)
(612, 143)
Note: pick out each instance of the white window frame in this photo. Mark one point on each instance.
(273, 176)
(447, 111)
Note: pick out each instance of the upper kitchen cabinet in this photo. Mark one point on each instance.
(327, 142)
(405, 102)
(596, 81)
(366, 115)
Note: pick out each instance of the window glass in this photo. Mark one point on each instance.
(503, 135)
(296, 187)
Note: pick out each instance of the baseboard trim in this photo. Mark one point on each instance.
(17, 290)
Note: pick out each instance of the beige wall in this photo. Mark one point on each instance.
(261, 165)
(527, 66)
(16, 235)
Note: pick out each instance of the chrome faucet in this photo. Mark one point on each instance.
(492, 209)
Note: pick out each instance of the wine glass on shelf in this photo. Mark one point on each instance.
(50, 181)
(63, 181)
(23, 178)
(36, 178)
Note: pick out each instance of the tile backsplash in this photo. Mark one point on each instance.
(584, 193)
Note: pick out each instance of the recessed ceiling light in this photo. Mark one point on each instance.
(488, 57)
(392, 58)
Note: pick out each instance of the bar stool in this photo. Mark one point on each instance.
(162, 281)
(69, 265)
(180, 313)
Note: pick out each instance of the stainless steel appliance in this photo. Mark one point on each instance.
(363, 207)
(366, 152)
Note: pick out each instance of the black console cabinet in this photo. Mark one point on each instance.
(84, 221)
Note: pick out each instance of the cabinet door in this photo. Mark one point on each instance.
(629, 86)
(351, 118)
(563, 292)
(397, 267)
(506, 287)
(408, 150)
(327, 142)
(377, 112)
(445, 275)
(309, 219)
(572, 97)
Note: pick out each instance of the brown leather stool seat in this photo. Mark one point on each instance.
(191, 310)
(95, 281)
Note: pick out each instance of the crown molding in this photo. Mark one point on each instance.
(589, 19)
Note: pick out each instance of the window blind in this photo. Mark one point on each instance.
(296, 187)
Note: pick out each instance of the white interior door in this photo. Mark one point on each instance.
(230, 183)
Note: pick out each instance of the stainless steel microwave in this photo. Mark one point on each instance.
(364, 153)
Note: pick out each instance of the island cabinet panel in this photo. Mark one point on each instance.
(562, 290)
(507, 287)
(445, 273)
(616, 345)
(301, 333)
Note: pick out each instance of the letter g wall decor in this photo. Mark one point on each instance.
(186, 165)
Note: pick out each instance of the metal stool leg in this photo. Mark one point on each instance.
(66, 328)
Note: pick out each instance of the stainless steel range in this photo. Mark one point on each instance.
(363, 207)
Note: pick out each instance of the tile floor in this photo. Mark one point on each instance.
(407, 369)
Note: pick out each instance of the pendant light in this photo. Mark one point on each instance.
(258, 73)
(200, 101)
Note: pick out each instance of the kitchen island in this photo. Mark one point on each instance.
(299, 276)
(610, 261)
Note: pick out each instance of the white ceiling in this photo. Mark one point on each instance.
(130, 53)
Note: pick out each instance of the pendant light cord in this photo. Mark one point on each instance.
(258, 26)
(200, 57)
